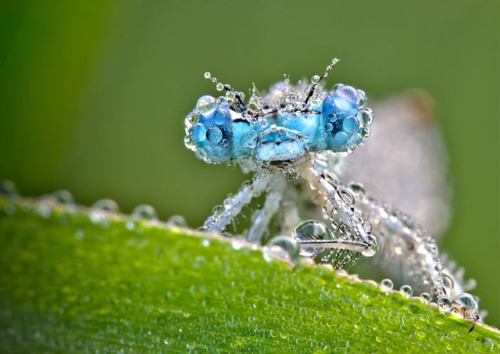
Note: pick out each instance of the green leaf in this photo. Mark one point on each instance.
(67, 283)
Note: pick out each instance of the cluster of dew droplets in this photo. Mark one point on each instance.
(463, 305)
(100, 213)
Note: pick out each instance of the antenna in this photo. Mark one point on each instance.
(317, 79)
(220, 86)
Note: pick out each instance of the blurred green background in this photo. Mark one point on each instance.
(93, 95)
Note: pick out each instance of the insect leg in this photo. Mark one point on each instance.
(351, 236)
(290, 209)
(223, 215)
(407, 251)
(271, 205)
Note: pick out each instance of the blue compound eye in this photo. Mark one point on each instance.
(343, 130)
(212, 134)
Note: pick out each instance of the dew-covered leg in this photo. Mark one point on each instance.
(233, 204)
(271, 205)
(409, 254)
(407, 251)
(351, 236)
(290, 216)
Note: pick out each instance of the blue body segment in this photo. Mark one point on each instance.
(221, 135)
(241, 139)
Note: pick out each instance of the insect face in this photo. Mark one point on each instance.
(281, 126)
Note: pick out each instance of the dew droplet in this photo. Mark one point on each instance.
(44, 205)
(445, 303)
(347, 196)
(8, 189)
(406, 290)
(426, 296)
(362, 98)
(219, 86)
(468, 301)
(483, 345)
(369, 312)
(207, 75)
(357, 188)
(214, 135)
(176, 221)
(100, 211)
(366, 116)
(80, 234)
(205, 243)
(387, 283)
(206, 104)
(64, 197)
(144, 211)
(315, 79)
(371, 250)
(311, 230)
(288, 244)
(420, 334)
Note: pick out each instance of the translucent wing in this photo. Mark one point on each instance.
(404, 162)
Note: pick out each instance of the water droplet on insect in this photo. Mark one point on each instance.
(217, 209)
(366, 117)
(371, 250)
(483, 345)
(64, 197)
(206, 104)
(406, 290)
(357, 188)
(144, 211)
(219, 86)
(361, 98)
(467, 301)
(445, 303)
(311, 230)
(448, 282)
(347, 196)
(315, 79)
(214, 135)
(176, 221)
(207, 75)
(387, 283)
(288, 244)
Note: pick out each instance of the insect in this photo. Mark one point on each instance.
(295, 140)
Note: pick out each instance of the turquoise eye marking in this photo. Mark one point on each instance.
(280, 126)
